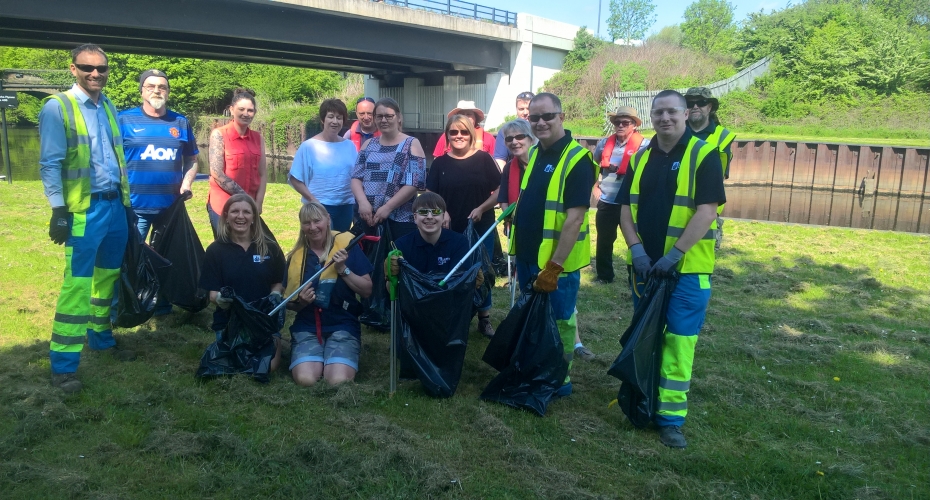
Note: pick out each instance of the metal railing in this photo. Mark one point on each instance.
(459, 8)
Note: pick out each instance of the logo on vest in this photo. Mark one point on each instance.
(443, 260)
(153, 153)
(676, 165)
(549, 169)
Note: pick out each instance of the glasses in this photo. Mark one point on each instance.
(511, 138)
(384, 117)
(454, 132)
(672, 112)
(701, 103)
(546, 117)
(524, 96)
(423, 212)
(623, 123)
(152, 88)
(89, 68)
(363, 99)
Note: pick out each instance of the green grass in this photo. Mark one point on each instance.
(792, 308)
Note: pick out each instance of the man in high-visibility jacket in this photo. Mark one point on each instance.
(83, 169)
(703, 123)
(669, 203)
(549, 236)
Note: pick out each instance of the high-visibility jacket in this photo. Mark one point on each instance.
(76, 167)
(700, 258)
(555, 211)
(721, 138)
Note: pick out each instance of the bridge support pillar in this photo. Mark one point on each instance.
(412, 116)
(372, 87)
(450, 93)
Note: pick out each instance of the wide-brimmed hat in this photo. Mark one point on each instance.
(702, 93)
(467, 106)
(626, 111)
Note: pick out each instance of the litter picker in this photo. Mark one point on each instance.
(487, 233)
(392, 293)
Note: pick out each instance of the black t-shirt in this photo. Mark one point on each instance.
(465, 184)
(438, 258)
(528, 220)
(250, 275)
(657, 191)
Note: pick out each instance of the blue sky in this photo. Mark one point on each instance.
(584, 12)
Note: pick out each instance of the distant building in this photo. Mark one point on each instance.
(629, 43)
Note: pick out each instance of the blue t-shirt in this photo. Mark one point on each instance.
(439, 258)
(155, 148)
(338, 316)
(528, 219)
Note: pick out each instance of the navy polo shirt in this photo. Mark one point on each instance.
(439, 258)
(657, 188)
(249, 274)
(528, 219)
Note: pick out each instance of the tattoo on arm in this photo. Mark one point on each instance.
(218, 165)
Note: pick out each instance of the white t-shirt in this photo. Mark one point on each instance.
(326, 169)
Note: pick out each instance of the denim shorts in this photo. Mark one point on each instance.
(341, 347)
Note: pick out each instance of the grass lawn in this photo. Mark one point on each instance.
(811, 381)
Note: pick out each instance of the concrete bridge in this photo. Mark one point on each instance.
(428, 61)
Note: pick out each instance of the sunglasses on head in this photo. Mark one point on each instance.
(89, 68)
(423, 212)
(456, 132)
(511, 138)
(701, 103)
(546, 117)
(363, 99)
(525, 96)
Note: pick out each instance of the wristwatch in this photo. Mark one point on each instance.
(347, 271)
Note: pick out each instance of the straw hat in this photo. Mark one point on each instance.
(627, 111)
(467, 106)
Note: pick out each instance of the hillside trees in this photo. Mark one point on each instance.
(708, 26)
(630, 19)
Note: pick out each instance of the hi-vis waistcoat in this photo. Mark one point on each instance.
(700, 258)
(721, 138)
(76, 167)
(555, 211)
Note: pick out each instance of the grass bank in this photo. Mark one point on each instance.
(810, 382)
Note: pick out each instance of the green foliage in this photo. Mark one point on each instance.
(708, 26)
(628, 76)
(669, 35)
(584, 48)
(630, 19)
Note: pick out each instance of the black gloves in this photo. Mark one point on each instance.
(59, 228)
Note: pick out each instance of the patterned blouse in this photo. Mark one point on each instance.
(383, 170)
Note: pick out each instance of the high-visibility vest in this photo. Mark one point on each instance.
(700, 258)
(555, 212)
(76, 167)
(721, 138)
(632, 145)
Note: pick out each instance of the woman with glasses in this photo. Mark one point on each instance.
(237, 158)
(468, 180)
(389, 171)
(519, 138)
(322, 167)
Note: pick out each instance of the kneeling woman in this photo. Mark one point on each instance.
(244, 259)
(326, 335)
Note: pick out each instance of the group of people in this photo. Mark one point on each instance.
(665, 195)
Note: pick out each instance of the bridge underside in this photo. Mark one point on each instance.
(248, 31)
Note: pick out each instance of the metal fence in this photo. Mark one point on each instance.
(642, 100)
(427, 113)
(459, 8)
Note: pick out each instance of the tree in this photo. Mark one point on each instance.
(708, 25)
(669, 35)
(630, 19)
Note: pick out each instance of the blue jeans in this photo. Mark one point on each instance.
(214, 219)
(340, 216)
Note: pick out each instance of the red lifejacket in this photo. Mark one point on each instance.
(632, 145)
(355, 135)
(514, 178)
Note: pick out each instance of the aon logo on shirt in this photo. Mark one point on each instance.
(153, 153)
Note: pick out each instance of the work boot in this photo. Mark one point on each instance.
(564, 391)
(584, 353)
(121, 354)
(485, 328)
(672, 437)
(67, 382)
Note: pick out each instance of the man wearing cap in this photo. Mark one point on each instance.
(83, 170)
(614, 153)
(364, 128)
(703, 123)
(502, 154)
(483, 140)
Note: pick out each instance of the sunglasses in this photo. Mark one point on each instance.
(546, 117)
(152, 88)
(701, 103)
(423, 212)
(623, 123)
(524, 96)
(511, 138)
(456, 132)
(363, 99)
(89, 68)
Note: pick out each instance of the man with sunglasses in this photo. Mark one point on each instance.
(703, 122)
(549, 235)
(365, 127)
(83, 170)
(502, 154)
(614, 152)
(668, 208)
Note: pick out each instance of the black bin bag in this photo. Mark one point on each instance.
(637, 365)
(376, 309)
(527, 350)
(139, 278)
(480, 256)
(433, 326)
(174, 238)
(247, 343)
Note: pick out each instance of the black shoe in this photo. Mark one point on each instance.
(67, 382)
(672, 437)
(603, 281)
(485, 328)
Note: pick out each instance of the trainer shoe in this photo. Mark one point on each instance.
(584, 353)
(672, 437)
(67, 382)
(485, 328)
